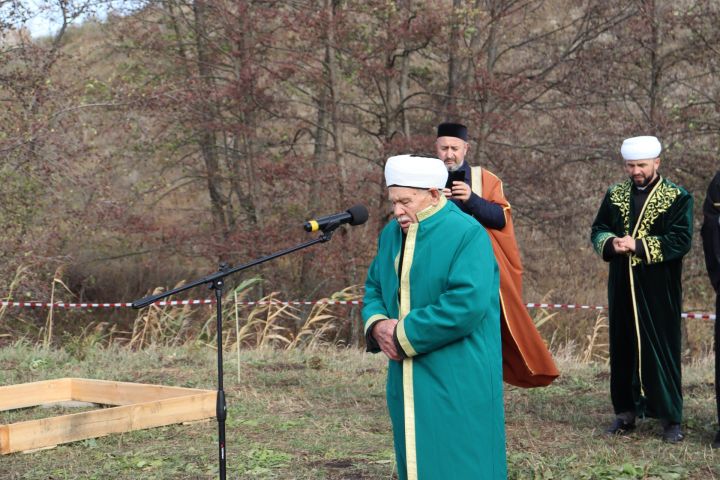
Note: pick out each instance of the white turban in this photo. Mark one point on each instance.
(640, 148)
(412, 171)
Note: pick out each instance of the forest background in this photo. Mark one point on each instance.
(139, 151)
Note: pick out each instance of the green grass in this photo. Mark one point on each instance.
(321, 415)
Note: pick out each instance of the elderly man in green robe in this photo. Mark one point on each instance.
(643, 229)
(431, 305)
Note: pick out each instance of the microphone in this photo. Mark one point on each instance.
(356, 215)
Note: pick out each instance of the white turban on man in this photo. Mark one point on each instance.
(640, 148)
(415, 171)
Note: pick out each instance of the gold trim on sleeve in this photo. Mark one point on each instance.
(647, 250)
(654, 250)
(601, 240)
(403, 340)
(373, 320)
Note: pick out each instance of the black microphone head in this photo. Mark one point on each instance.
(358, 213)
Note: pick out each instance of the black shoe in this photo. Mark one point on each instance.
(620, 427)
(672, 433)
(716, 442)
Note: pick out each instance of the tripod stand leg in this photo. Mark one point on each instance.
(221, 406)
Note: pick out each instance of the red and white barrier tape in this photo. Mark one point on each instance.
(570, 306)
(101, 305)
(306, 302)
(208, 301)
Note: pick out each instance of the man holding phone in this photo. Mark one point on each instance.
(452, 146)
(479, 193)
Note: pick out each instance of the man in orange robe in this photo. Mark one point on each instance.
(479, 193)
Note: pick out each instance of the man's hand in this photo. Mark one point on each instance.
(460, 191)
(383, 332)
(624, 245)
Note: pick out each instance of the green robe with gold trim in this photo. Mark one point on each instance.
(445, 400)
(645, 295)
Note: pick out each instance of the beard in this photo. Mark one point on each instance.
(643, 181)
(454, 167)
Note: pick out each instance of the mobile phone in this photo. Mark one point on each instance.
(454, 176)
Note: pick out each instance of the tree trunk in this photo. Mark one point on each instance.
(350, 273)
(308, 281)
(207, 138)
(454, 63)
(655, 67)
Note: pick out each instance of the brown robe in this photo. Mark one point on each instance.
(526, 360)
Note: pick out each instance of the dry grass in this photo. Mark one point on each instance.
(596, 349)
(20, 273)
(159, 325)
(57, 280)
(320, 414)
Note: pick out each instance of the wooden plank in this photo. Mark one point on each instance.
(36, 434)
(35, 393)
(4, 439)
(174, 410)
(108, 392)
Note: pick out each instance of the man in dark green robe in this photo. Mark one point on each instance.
(432, 306)
(643, 229)
(711, 247)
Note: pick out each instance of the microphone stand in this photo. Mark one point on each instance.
(215, 282)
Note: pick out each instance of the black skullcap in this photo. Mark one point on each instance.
(457, 130)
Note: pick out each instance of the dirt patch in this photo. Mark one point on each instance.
(602, 376)
(279, 367)
(284, 382)
(699, 388)
(341, 463)
(369, 371)
(348, 476)
(341, 468)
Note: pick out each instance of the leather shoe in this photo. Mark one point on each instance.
(716, 442)
(620, 427)
(672, 433)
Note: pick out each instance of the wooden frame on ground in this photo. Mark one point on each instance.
(137, 406)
